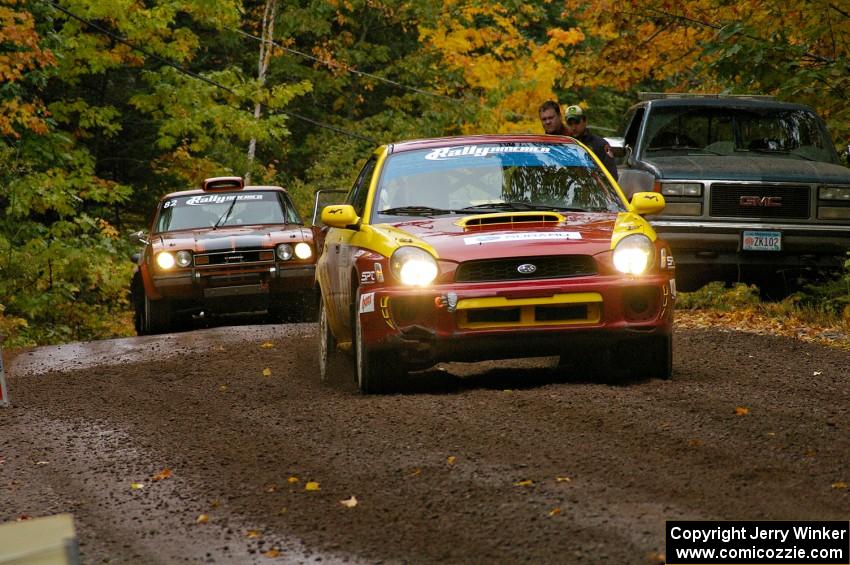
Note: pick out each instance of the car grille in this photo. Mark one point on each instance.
(507, 269)
(234, 257)
(726, 201)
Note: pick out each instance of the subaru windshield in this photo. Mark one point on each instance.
(471, 179)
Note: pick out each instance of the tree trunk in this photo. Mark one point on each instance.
(262, 67)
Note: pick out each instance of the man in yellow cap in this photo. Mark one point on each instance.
(577, 123)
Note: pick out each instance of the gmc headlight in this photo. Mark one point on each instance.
(834, 193)
(413, 266)
(184, 258)
(633, 254)
(303, 250)
(681, 189)
(284, 252)
(165, 260)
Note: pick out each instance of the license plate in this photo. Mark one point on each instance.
(762, 241)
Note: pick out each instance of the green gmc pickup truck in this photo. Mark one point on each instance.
(754, 187)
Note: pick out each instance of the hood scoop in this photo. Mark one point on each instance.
(509, 219)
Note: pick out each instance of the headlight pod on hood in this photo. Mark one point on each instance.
(633, 254)
(413, 266)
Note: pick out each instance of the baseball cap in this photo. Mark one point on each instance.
(574, 112)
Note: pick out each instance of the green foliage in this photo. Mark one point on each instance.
(717, 296)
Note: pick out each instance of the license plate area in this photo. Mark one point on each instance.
(761, 241)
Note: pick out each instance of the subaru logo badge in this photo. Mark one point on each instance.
(526, 268)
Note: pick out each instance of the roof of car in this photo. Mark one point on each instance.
(415, 144)
(197, 191)
(721, 102)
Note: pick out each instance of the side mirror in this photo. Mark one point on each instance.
(139, 237)
(323, 199)
(618, 147)
(340, 216)
(647, 203)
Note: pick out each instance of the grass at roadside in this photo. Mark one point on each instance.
(819, 313)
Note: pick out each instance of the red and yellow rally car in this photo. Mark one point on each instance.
(226, 248)
(489, 247)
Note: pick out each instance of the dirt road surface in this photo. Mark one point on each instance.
(184, 449)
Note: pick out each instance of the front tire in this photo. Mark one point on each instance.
(375, 373)
(158, 316)
(329, 355)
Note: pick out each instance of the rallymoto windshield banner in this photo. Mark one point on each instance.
(758, 543)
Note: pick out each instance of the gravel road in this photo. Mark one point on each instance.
(184, 449)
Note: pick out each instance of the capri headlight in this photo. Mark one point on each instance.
(184, 258)
(633, 254)
(284, 252)
(413, 266)
(165, 260)
(303, 250)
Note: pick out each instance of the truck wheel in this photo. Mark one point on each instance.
(158, 316)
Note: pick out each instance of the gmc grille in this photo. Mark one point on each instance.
(506, 269)
(726, 201)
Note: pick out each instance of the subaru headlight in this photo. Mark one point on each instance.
(165, 260)
(184, 258)
(633, 254)
(413, 266)
(284, 252)
(303, 250)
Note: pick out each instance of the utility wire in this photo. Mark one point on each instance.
(346, 68)
(195, 75)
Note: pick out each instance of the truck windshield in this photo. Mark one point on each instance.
(776, 132)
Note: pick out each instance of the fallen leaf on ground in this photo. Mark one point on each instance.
(415, 472)
(253, 534)
(292, 480)
(840, 485)
(42, 462)
(562, 479)
(215, 503)
(137, 486)
(271, 487)
(312, 485)
(202, 519)
(450, 460)
(222, 388)
(695, 442)
(272, 553)
(555, 511)
(741, 411)
(164, 474)
(524, 483)
(350, 503)
(267, 372)
(267, 345)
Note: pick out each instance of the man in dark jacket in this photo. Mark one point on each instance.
(577, 122)
(550, 118)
